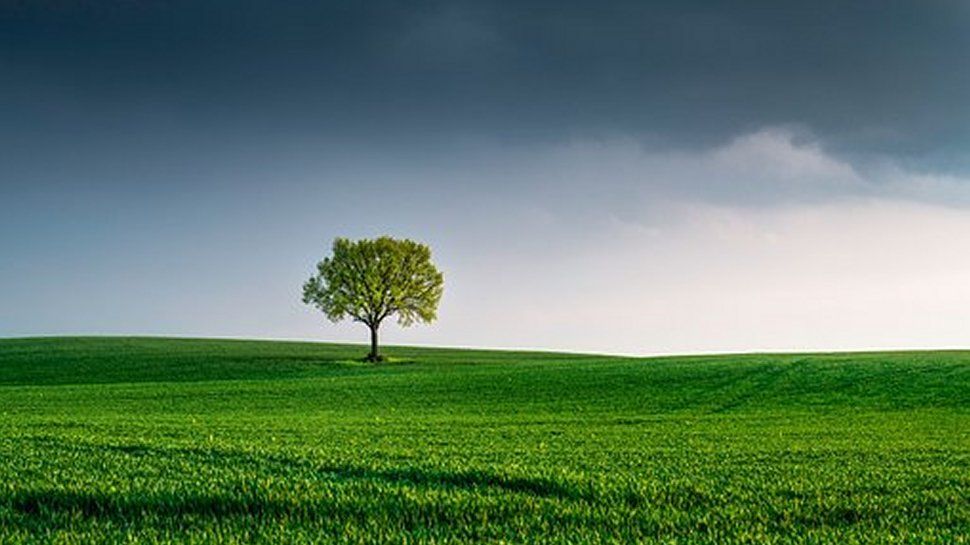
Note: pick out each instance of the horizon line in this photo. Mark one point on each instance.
(754, 352)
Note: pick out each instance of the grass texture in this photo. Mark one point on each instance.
(116, 440)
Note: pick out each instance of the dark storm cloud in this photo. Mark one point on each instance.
(883, 77)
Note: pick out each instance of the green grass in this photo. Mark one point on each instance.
(201, 441)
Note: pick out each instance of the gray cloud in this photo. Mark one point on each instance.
(870, 77)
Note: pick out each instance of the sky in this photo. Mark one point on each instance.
(617, 177)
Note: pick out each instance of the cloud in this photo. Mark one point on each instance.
(776, 154)
(686, 73)
(771, 167)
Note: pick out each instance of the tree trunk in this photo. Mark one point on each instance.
(374, 353)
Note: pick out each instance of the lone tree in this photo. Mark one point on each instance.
(370, 280)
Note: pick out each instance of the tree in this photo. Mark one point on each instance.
(370, 280)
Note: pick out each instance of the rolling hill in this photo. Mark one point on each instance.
(212, 441)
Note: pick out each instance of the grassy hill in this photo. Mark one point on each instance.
(164, 440)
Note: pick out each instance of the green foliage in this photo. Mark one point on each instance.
(201, 441)
(372, 280)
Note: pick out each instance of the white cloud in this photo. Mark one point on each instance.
(774, 156)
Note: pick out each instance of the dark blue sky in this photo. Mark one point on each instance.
(870, 76)
(176, 167)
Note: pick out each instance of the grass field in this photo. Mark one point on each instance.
(199, 441)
